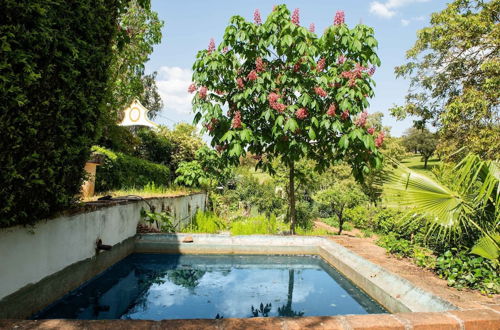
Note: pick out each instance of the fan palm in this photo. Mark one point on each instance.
(467, 204)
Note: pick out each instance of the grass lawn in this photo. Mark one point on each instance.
(415, 163)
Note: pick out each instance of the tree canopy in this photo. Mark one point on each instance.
(454, 70)
(279, 90)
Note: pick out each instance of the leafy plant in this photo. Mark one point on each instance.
(54, 70)
(256, 225)
(163, 220)
(121, 171)
(465, 207)
(291, 94)
(205, 222)
(461, 270)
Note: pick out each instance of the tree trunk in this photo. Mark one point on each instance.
(425, 161)
(291, 195)
(341, 221)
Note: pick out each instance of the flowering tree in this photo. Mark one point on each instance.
(279, 90)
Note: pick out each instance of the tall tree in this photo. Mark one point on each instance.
(289, 93)
(454, 69)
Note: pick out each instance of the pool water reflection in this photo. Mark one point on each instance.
(161, 286)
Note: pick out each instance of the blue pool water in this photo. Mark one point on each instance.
(161, 286)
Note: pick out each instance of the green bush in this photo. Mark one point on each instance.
(359, 216)
(54, 69)
(461, 270)
(121, 171)
(396, 246)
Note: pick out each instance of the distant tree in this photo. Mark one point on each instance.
(422, 141)
(340, 196)
(185, 141)
(455, 77)
(291, 93)
(150, 97)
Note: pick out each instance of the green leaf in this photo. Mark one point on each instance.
(312, 134)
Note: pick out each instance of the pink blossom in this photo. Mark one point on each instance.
(295, 17)
(211, 46)
(321, 64)
(191, 88)
(252, 75)
(345, 115)
(203, 92)
(341, 59)
(256, 17)
(312, 27)
(380, 139)
(320, 91)
(259, 65)
(278, 107)
(240, 83)
(372, 71)
(371, 130)
(339, 18)
(211, 125)
(301, 113)
(273, 97)
(331, 110)
(361, 121)
(273, 103)
(236, 122)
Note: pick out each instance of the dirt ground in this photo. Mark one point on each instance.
(427, 280)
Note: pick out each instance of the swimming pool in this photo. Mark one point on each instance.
(165, 286)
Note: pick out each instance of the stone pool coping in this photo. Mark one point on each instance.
(480, 319)
(395, 293)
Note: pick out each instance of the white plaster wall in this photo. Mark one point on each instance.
(27, 255)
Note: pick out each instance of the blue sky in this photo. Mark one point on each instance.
(190, 24)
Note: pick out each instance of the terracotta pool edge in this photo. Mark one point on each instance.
(484, 319)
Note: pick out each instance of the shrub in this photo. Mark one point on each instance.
(461, 270)
(396, 246)
(54, 69)
(359, 216)
(121, 171)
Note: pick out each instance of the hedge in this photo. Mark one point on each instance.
(121, 171)
(54, 68)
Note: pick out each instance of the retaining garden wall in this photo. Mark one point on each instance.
(29, 255)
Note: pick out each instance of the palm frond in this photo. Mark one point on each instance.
(487, 247)
(467, 203)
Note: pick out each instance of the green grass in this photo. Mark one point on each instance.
(150, 190)
(415, 163)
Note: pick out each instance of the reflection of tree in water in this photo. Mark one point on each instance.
(263, 311)
(286, 310)
(188, 278)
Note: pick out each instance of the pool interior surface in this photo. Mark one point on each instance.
(163, 286)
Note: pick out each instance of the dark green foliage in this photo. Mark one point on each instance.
(154, 147)
(54, 59)
(464, 270)
(122, 171)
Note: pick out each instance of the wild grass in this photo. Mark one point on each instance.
(150, 190)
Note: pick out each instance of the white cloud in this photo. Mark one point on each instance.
(173, 83)
(387, 9)
(405, 22)
(380, 9)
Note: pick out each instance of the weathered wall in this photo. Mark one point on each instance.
(27, 255)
